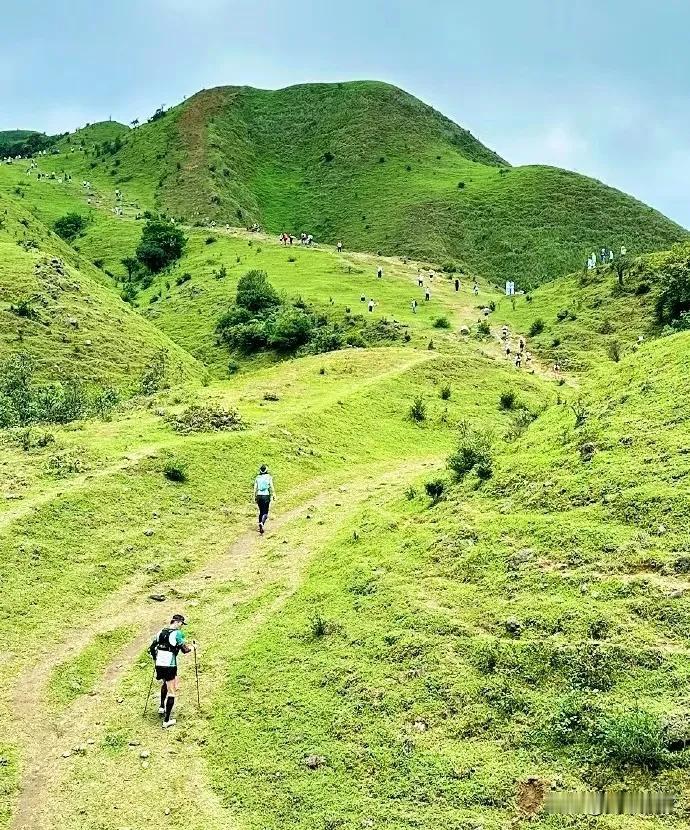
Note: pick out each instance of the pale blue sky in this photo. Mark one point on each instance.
(598, 86)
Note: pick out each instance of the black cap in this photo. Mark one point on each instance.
(179, 618)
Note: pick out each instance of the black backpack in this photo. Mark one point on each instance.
(162, 643)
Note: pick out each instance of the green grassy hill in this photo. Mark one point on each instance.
(69, 322)
(369, 164)
(406, 647)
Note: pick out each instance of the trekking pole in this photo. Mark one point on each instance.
(153, 674)
(196, 672)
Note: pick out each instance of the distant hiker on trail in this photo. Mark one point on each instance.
(371, 305)
(379, 272)
(164, 648)
(427, 294)
(339, 246)
(264, 492)
(624, 250)
(475, 289)
(522, 343)
(414, 306)
(457, 284)
(504, 332)
(518, 360)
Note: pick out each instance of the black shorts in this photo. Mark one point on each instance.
(166, 672)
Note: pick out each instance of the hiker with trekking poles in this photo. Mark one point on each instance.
(164, 648)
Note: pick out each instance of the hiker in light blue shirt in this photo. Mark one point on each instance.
(264, 491)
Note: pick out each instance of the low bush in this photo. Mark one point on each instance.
(449, 267)
(24, 309)
(537, 327)
(183, 278)
(441, 323)
(507, 399)
(483, 329)
(435, 490)
(153, 378)
(198, 418)
(69, 226)
(417, 411)
(474, 453)
(445, 392)
(175, 470)
(614, 351)
(24, 401)
(210, 240)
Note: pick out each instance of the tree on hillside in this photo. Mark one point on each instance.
(620, 266)
(673, 303)
(161, 244)
(70, 226)
(134, 122)
(255, 293)
(131, 266)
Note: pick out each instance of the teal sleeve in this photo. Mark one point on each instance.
(180, 638)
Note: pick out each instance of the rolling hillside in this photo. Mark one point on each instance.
(473, 588)
(369, 164)
(55, 307)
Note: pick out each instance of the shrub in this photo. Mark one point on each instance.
(210, 240)
(161, 244)
(255, 293)
(674, 299)
(153, 378)
(198, 418)
(441, 323)
(417, 412)
(614, 351)
(556, 342)
(66, 462)
(580, 411)
(24, 309)
(175, 470)
(635, 737)
(271, 396)
(183, 278)
(449, 267)
(292, 259)
(606, 327)
(445, 393)
(221, 273)
(461, 185)
(483, 328)
(519, 422)
(410, 493)
(233, 367)
(69, 226)
(642, 288)
(562, 315)
(328, 157)
(507, 399)
(537, 327)
(474, 452)
(435, 490)
(318, 626)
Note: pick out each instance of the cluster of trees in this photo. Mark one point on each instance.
(108, 148)
(30, 144)
(262, 320)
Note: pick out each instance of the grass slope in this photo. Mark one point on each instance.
(367, 163)
(77, 326)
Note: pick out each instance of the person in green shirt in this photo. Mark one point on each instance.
(164, 648)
